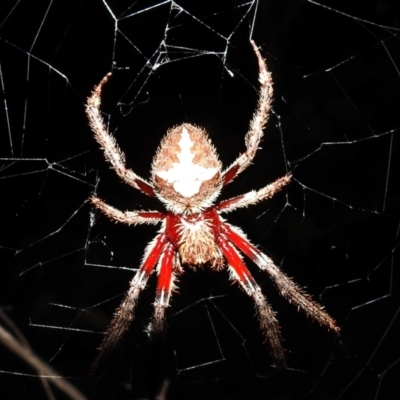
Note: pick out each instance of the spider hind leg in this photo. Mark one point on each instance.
(287, 288)
(125, 313)
(266, 316)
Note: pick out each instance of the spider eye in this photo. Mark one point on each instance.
(186, 165)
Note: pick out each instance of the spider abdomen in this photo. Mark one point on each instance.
(194, 236)
(186, 171)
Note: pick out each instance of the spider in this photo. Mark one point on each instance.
(187, 177)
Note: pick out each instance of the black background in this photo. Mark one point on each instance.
(334, 230)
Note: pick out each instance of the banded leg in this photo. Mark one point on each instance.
(288, 289)
(266, 316)
(125, 313)
(165, 285)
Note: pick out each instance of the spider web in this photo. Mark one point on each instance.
(335, 230)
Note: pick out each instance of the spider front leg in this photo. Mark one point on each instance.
(114, 155)
(260, 118)
(266, 317)
(125, 313)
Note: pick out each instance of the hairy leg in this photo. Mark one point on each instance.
(260, 117)
(288, 289)
(114, 155)
(266, 316)
(253, 197)
(127, 217)
(125, 313)
(164, 287)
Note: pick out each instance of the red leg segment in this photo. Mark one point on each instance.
(266, 317)
(239, 241)
(125, 313)
(164, 286)
(288, 289)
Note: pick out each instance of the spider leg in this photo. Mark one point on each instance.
(125, 313)
(288, 289)
(165, 285)
(114, 155)
(266, 316)
(254, 196)
(127, 217)
(260, 117)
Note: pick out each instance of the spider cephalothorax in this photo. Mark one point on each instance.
(187, 177)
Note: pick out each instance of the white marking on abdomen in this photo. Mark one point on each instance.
(186, 176)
